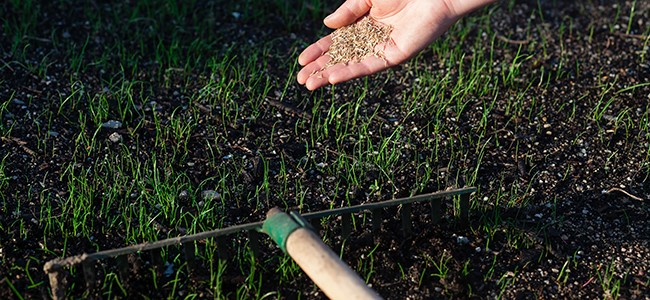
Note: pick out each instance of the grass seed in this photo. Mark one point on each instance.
(357, 41)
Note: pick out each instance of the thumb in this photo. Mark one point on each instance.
(347, 13)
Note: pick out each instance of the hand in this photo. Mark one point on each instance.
(416, 24)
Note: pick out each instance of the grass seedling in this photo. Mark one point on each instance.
(490, 272)
(646, 41)
(401, 271)
(216, 276)
(4, 179)
(610, 280)
(617, 16)
(439, 267)
(287, 269)
(366, 264)
(563, 275)
(631, 17)
(507, 279)
(13, 289)
(110, 282)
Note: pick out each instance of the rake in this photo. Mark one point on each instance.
(56, 268)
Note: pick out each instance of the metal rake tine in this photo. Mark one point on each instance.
(123, 269)
(254, 242)
(89, 274)
(436, 210)
(57, 279)
(223, 249)
(157, 261)
(190, 257)
(316, 225)
(346, 225)
(376, 219)
(406, 218)
(464, 208)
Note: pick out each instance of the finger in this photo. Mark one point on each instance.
(312, 69)
(368, 66)
(342, 72)
(315, 75)
(347, 13)
(315, 50)
(322, 78)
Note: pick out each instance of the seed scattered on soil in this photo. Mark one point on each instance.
(357, 41)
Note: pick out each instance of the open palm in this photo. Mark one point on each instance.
(416, 23)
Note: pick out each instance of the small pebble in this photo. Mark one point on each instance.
(115, 137)
(169, 269)
(208, 195)
(112, 124)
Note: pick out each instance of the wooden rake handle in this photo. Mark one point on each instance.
(318, 261)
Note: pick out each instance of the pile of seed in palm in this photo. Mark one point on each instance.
(355, 42)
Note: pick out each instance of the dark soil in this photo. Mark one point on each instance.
(561, 163)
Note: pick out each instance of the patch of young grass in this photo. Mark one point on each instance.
(190, 87)
(506, 280)
(611, 279)
(366, 264)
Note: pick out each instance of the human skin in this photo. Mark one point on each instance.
(416, 24)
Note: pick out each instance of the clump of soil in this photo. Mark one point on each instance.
(355, 42)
